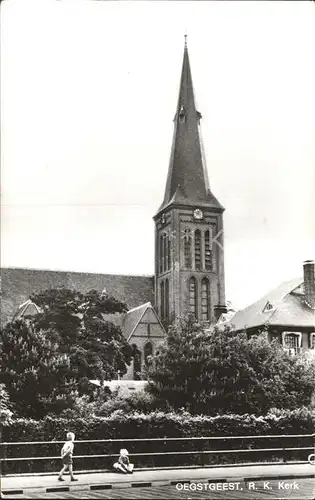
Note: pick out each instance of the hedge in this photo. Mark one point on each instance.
(157, 424)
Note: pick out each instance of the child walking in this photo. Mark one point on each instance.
(66, 457)
(123, 465)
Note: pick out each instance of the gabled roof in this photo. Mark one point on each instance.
(133, 317)
(187, 181)
(18, 284)
(25, 309)
(287, 309)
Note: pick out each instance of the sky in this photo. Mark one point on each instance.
(89, 91)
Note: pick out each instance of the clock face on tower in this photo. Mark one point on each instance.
(198, 214)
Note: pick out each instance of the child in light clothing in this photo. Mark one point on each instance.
(123, 465)
(66, 457)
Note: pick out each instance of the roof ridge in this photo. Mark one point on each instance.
(75, 272)
(266, 296)
(139, 307)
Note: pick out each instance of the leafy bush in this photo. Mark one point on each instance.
(5, 405)
(105, 403)
(158, 424)
(141, 401)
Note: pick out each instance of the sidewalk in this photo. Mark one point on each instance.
(109, 480)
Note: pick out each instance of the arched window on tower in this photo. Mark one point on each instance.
(215, 247)
(193, 296)
(167, 303)
(208, 251)
(162, 301)
(187, 248)
(161, 256)
(169, 253)
(165, 252)
(205, 300)
(197, 249)
(148, 351)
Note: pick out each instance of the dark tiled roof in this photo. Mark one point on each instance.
(18, 284)
(293, 311)
(187, 180)
(132, 318)
(287, 308)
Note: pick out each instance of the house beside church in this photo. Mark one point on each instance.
(287, 313)
(189, 250)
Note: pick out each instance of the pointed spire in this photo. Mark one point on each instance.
(187, 180)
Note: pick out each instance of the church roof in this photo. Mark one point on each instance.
(187, 181)
(28, 308)
(283, 306)
(18, 284)
(132, 318)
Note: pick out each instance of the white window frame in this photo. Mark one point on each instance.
(289, 349)
(312, 340)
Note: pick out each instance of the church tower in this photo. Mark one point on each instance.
(189, 253)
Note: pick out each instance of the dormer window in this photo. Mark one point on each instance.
(199, 116)
(182, 115)
(268, 307)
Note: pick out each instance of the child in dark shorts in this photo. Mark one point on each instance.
(66, 457)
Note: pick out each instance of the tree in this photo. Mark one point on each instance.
(32, 368)
(224, 371)
(48, 359)
(78, 322)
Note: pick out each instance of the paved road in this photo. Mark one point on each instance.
(287, 481)
(300, 489)
(35, 482)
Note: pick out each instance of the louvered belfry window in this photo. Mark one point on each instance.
(165, 252)
(168, 254)
(161, 254)
(208, 251)
(187, 248)
(198, 249)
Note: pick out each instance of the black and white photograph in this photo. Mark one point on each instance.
(157, 249)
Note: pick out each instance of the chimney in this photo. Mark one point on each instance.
(309, 283)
